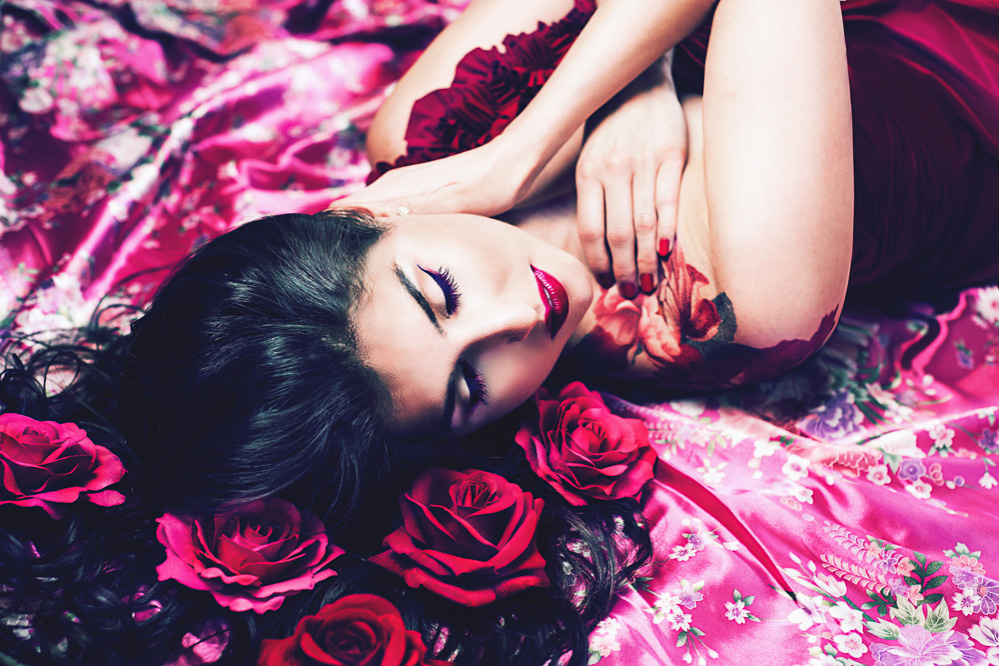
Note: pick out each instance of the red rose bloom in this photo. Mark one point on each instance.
(249, 558)
(467, 536)
(50, 465)
(359, 629)
(585, 451)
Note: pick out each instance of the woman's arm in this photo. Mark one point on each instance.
(766, 206)
(620, 41)
(778, 164)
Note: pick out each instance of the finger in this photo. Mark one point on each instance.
(590, 224)
(667, 202)
(621, 234)
(644, 206)
(373, 204)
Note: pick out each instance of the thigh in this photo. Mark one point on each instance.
(483, 25)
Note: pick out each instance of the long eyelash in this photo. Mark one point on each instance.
(444, 280)
(478, 393)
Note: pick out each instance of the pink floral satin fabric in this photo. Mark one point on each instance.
(843, 514)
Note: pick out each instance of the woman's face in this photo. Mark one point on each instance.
(464, 317)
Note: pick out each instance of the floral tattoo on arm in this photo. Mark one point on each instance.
(683, 336)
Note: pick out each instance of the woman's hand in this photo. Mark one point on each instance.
(487, 180)
(627, 180)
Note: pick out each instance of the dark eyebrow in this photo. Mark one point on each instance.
(418, 296)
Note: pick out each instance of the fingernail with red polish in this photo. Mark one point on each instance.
(646, 281)
(605, 280)
(628, 290)
(663, 247)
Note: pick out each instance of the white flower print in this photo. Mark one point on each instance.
(943, 438)
(986, 631)
(802, 494)
(920, 489)
(852, 644)
(679, 621)
(736, 611)
(987, 307)
(824, 660)
(987, 481)
(763, 448)
(684, 552)
(850, 619)
(713, 476)
(796, 468)
(691, 408)
(810, 611)
(878, 475)
(967, 602)
(830, 585)
(666, 607)
(604, 640)
(899, 442)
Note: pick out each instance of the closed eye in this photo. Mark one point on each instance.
(477, 391)
(444, 280)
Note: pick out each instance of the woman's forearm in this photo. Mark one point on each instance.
(621, 40)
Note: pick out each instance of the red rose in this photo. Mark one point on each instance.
(359, 629)
(467, 536)
(49, 465)
(585, 451)
(249, 558)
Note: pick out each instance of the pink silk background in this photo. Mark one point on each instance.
(841, 514)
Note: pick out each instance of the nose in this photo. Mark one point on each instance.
(505, 321)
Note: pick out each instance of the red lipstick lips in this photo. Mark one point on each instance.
(555, 298)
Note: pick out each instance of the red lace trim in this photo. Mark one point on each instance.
(488, 91)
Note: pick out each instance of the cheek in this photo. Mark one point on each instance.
(516, 378)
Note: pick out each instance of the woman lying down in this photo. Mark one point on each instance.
(233, 495)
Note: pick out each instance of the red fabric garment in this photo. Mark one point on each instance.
(924, 80)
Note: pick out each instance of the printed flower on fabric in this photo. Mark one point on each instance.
(583, 450)
(250, 557)
(918, 647)
(356, 629)
(51, 465)
(467, 536)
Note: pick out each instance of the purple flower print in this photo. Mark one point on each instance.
(989, 440)
(963, 577)
(988, 593)
(918, 647)
(965, 358)
(887, 560)
(836, 419)
(898, 586)
(911, 469)
(688, 596)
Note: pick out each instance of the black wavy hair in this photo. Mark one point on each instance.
(242, 380)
